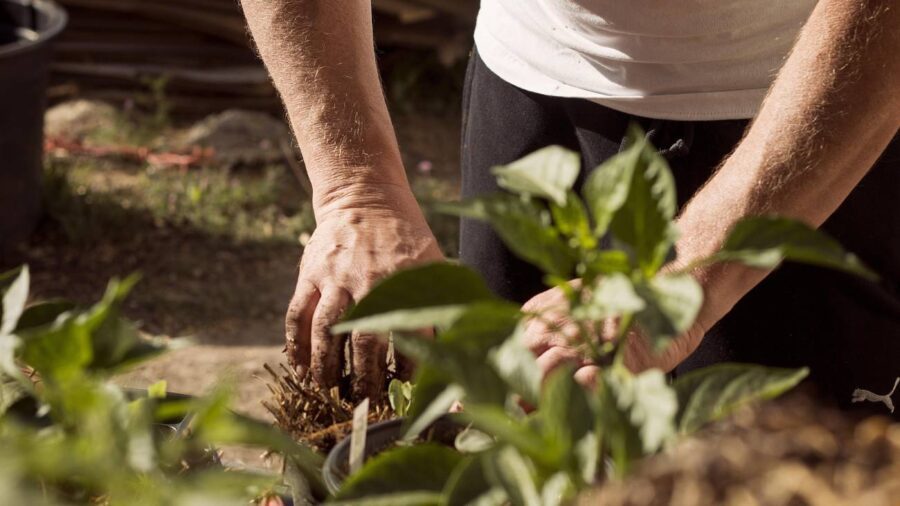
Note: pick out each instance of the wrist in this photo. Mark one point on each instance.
(367, 195)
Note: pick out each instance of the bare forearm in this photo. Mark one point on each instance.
(321, 58)
(829, 115)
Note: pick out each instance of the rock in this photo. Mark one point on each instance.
(77, 119)
(240, 138)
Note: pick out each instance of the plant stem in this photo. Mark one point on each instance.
(621, 335)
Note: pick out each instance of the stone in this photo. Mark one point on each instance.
(241, 138)
(77, 119)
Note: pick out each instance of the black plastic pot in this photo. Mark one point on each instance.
(26, 29)
(380, 437)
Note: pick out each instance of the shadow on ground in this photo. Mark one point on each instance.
(193, 282)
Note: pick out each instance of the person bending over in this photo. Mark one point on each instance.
(760, 106)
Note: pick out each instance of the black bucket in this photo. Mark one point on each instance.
(26, 29)
(382, 436)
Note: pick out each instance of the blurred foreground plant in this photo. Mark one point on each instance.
(68, 435)
(576, 436)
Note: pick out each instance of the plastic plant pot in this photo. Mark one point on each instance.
(27, 27)
(380, 437)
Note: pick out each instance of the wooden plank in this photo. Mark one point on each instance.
(227, 27)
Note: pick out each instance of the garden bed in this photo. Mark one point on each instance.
(793, 451)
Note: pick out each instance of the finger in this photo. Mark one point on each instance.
(559, 356)
(549, 331)
(369, 359)
(587, 376)
(609, 329)
(298, 323)
(326, 349)
(539, 339)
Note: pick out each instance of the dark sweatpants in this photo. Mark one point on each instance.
(846, 329)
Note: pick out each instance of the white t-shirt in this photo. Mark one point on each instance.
(666, 59)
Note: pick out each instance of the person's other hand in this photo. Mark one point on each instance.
(351, 249)
(552, 337)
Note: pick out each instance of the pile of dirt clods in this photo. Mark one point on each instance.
(793, 451)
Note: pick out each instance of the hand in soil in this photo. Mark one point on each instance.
(350, 251)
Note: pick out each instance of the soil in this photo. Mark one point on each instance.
(793, 451)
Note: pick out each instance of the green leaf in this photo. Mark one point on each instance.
(301, 490)
(558, 490)
(607, 187)
(425, 351)
(708, 394)
(429, 384)
(399, 396)
(157, 390)
(142, 453)
(112, 336)
(60, 350)
(11, 392)
(644, 222)
(672, 304)
(59, 342)
(399, 499)
(147, 348)
(547, 173)
(480, 317)
(613, 295)
(479, 381)
(432, 285)
(571, 219)
(495, 421)
(525, 228)
(515, 363)
(403, 320)
(510, 470)
(43, 313)
(14, 299)
(587, 453)
(565, 410)
(459, 351)
(409, 301)
(419, 468)
(481, 327)
(214, 423)
(495, 496)
(472, 440)
(9, 346)
(765, 241)
(467, 483)
(650, 404)
(438, 408)
(606, 262)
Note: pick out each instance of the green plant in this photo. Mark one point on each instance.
(70, 436)
(400, 396)
(576, 436)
